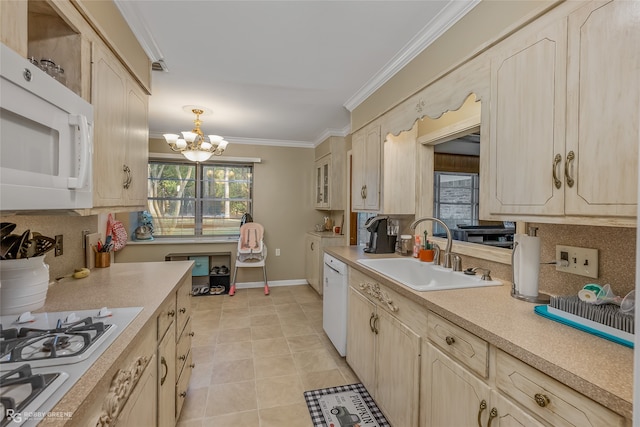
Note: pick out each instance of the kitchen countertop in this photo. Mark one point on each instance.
(324, 233)
(145, 285)
(599, 369)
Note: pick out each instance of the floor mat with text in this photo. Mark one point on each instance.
(344, 406)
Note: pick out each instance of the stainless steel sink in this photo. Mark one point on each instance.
(424, 276)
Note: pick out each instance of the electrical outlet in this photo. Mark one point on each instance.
(581, 261)
(277, 251)
(59, 247)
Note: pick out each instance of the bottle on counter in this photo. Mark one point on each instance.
(417, 246)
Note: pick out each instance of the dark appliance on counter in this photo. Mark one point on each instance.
(380, 242)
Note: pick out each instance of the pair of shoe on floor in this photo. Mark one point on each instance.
(202, 290)
(220, 270)
(206, 290)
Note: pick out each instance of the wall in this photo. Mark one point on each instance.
(51, 225)
(488, 20)
(282, 203)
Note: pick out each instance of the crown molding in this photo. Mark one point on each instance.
(140, 29)
(255, 141)
(448, 16)
(329, 132)
(332, 132)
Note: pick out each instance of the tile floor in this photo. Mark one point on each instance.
(255, 355)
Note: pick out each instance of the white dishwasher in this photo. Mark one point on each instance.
(334, 302)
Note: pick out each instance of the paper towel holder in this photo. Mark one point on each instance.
(541, 298)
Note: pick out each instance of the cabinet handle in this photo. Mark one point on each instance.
(492, 415)
(483, 406)
(375, 325)
(183, 394)
(193, 365)
(183, 310)
(192, 334)
(365, 191)
(450, 340)
(127, 182)
(171, 313)
(165, 369)
(570, 157)
(373, 315)
(312, 245)
(362, 192)
(182, 358)
(556, 162)
(541, 399)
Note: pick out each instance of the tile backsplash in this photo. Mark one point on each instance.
(51, 225)
(616, 258)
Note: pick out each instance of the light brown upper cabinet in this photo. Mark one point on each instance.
(384, 171)
(565, 118)
(323, 189)
(329, 175)
(120, 136)
(366, 147)
(399, 173)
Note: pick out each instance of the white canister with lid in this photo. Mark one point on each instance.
(24, 284)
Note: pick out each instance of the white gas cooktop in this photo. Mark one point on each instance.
(72, 363)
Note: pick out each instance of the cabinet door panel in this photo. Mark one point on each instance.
(527, 86)
(361, 340)
(319, 196)
(357, 171)
(373, 148)
(453, 395)
(399, 173)
(140, 409)
(398, 370)
(137, 147)
(109, 101)
(167, 378)
(313, 262)
(603, 119)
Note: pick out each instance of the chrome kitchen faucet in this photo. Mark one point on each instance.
(447, 262)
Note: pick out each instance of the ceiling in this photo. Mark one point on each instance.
(284, 73)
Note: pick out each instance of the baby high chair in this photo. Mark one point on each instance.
(252, 252)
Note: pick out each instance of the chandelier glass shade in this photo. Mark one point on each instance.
(193, 145)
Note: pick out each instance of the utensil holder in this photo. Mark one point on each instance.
(103, 259)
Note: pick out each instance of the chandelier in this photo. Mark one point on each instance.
(193, 144)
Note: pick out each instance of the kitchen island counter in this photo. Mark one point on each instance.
(145, 285)
(597, 368)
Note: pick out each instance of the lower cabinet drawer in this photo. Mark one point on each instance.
(552, 401)
(182, 385)
(166, 316)
(469, 349)
(183, 347)
(183, 304)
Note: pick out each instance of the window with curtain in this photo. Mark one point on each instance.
(198, 199)
(455, 199)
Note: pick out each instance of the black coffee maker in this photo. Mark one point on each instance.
(380, 242)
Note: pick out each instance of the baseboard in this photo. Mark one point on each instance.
(272, 284)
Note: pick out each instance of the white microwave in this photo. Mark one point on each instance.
(46, 140)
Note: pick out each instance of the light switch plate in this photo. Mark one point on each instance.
(581, 261)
